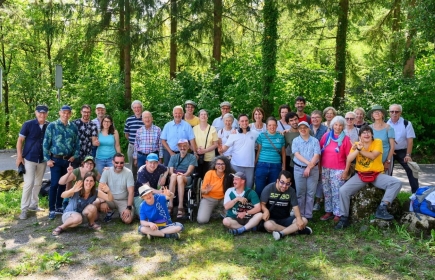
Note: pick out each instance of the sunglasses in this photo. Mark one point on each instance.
(118, 162)
(394, 112)
(350, 119)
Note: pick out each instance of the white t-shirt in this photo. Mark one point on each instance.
(243, 153)
(224, 135)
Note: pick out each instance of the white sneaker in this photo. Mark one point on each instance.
(23, 215)
(276, 235)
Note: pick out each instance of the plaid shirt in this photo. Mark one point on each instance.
(148, 141)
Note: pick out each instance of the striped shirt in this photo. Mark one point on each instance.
(148, 141)
(132, 124)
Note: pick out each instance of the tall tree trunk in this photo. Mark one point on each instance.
(269, 50)
(395, 28)
(217, 32)
(5, 63)
(340, 54)
(173, 43)
(127, 54)
(121, 30)
(409, 56)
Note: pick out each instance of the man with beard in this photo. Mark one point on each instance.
(88, 132)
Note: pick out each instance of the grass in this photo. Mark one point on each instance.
(208, 252)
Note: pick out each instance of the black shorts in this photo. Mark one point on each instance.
(284, 222)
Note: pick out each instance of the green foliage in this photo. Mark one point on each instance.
(55, 260)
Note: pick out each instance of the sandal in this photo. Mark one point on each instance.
(57, 231)
(180, 213)
(94, 226)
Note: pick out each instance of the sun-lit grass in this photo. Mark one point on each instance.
(208, 252)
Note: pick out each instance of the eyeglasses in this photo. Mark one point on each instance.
(220, 164)
(395, 112)
(350, 119)
(107, 122)
(225, 108)
(284, 183)
(118, 162)
(366, 132)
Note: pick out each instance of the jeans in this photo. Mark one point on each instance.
(58, 170)
(32, 184)
(306, 189)
(400, 157)
(266, 173)
(101, 163)
(141, 159)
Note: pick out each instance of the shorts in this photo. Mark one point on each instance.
(241, 221)
(163, 227)
(120, 204)
(284, 222)
(66, 215)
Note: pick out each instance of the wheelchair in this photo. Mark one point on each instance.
(192, 197)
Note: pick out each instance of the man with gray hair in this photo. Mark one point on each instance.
(132, 124)
(218, 123)
(404, 142)
(175, 130)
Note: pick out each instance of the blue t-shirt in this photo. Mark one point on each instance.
(106, 150)
(157, 212)
(268, 152)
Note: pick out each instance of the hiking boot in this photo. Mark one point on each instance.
(342, 223)
(23, 215)
(276, 235)
(173, 235)
(52, 215)
(382, 213)
(59, 211)
(306, 230)
(316, 207)
(327, 216)
(36, 209)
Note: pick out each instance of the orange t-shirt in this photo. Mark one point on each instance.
(217, 192)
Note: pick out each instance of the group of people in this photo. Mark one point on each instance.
(270, 174)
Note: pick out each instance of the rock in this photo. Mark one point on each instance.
(364, 203)
(9, 179)
(417, 224)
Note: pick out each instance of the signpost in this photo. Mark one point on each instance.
(58, 82)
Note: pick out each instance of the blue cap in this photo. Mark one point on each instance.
(152, 157)
(66, 107)
(41, 109)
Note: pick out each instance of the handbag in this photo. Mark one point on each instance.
(201, 157)
(368, 177)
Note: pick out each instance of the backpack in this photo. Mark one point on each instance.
(45, 188)
(422, 205)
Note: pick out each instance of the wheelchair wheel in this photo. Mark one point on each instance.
(198, 191)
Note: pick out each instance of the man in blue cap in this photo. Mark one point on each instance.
(29, 153)
(61, 147)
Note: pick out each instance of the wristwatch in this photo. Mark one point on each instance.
(388, 160)
(129, 207)
(408, 155)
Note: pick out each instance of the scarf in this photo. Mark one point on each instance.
(338, 140)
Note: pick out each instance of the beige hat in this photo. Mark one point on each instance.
(415, 168)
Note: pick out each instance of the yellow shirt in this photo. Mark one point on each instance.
(217, 192)
(193, 122)
(200, 137)
(364, 164)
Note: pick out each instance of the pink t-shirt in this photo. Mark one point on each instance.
(332, 159)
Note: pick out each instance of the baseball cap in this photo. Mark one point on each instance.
(240, 175)
(145, 189)
(66, 108)
(100, 106)
(225, 103)
(304, 123)
(41, 109)
(152, 157)
(89, 158)
(182, 141)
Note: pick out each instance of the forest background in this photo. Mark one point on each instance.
(341, 53)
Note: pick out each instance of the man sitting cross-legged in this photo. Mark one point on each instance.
(242, 205)
(277, 200)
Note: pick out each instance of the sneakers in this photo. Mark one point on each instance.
(292, 213)
(306, 230)
(23, 215)
(172, 235)
(36, 209)
(342, 223)
(59, 211)
(108, 217)
(52, 215)
(327, 216)
(382, 213)
(316, 207)
(276, 235)
(336, 219)
(234, 232)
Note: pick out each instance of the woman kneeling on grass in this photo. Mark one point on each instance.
(83, 203)
(154, 215)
